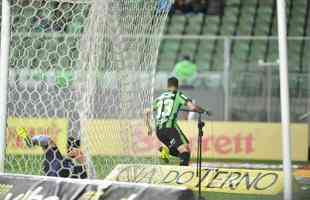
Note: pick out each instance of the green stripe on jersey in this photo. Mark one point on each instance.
(182, 136)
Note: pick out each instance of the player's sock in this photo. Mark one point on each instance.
(174, 152)
(184, 158)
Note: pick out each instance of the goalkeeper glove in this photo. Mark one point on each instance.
(24, 135)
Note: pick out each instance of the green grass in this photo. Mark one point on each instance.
(32, 165)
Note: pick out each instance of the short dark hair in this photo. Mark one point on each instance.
(186, 57)
(73, 143)
(173, 82)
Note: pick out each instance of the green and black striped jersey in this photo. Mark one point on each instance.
(166, 108)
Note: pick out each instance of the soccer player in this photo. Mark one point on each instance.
(166, 108)
(55, 164)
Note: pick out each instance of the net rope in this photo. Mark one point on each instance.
(84, 69)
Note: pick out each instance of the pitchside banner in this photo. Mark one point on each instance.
(241, 181)
(15, 187)
(225, 140)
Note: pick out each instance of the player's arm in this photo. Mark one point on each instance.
(38, 140)
(148, 116)
(189, 104)
(77, 155)
(147, 119)
(193, 107)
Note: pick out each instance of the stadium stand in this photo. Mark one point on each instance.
(255, 18)
(241, 18)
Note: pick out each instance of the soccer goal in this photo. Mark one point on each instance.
(80, 68)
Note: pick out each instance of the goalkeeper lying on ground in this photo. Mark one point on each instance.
(55, 164)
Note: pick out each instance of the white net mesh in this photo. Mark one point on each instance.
(83, 69)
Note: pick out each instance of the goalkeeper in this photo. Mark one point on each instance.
(166, 108)
(55, 164)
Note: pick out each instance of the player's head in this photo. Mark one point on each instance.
(73, 147)
(73, 143)
(173, 83)
(186, 57)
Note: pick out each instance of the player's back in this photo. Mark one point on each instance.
(167, 106)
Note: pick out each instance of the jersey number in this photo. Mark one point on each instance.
(164, 108)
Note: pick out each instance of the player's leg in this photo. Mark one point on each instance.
(53, 160)
(182, 145)
(184, 154)
(176, 144)
(163, 149)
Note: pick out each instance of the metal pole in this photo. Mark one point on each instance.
(226, 78)
(285, 106)
(269, 92)
(210, 37)
(4, 63)
(308, 97)
(268, 66)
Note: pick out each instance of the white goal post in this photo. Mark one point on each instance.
(4, 57)
(285, 105)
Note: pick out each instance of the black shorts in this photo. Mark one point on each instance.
(172, 137)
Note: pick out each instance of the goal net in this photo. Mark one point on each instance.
(83, 69)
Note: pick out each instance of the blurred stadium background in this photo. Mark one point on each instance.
(248, 31)
(231, 46)
(239, 36)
